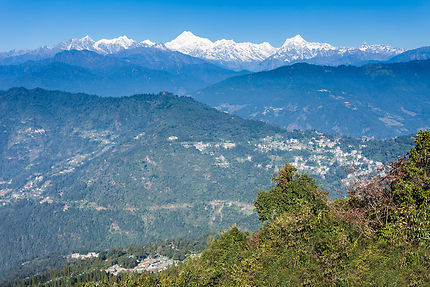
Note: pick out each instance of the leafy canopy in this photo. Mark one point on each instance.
(292, 192)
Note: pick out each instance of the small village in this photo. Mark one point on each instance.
(152, 264)
(316, 156)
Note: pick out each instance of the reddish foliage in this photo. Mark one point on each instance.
(371, 201)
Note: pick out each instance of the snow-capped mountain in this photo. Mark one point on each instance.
(297, 49)
(237, 56)
(103, 46)
(224, 53)
(257, 57)
(86, 43)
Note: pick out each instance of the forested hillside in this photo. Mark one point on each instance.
(80, 172)
(376, 236)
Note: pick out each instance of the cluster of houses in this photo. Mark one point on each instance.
(325, 153)
(316, 155)
(152, 264)
(83, 256)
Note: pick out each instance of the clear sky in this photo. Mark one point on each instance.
(30, 24)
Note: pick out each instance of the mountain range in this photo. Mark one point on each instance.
(135, 70)
(328, 94)
(422, 53)
(103, 46)
(374, 100)
(257, 57)
(225, 53)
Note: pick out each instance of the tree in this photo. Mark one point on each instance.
(396, 203)
(412, 188)
(292, 192)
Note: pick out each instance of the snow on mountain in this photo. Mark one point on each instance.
(225, 53)
(103, 46)
(378, 48)
(296, 49)
(255, 57)
(148, 43)
(190, 44)
(111, 46)
(234, 55)
(85, 43)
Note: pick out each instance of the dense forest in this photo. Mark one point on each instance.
(377, 235)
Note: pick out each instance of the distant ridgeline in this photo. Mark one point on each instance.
(128, 72)
(376, 100)
(379, 99)
(81, 172)
(376, 236)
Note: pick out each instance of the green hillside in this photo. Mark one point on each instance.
(377, 236)
(80, 172)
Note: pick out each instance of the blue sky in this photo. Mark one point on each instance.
(30, 24)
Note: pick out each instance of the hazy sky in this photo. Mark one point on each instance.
(30, 24)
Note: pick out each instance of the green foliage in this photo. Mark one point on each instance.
(226, 250)
(412, 189)
(396, 205)
(388, 150)
(308, 241)
(67, 272)
(292, 193)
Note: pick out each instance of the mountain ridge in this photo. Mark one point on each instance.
(226, 53)
(342, 100)
(143, 69)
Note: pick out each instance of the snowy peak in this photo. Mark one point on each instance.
(296, 49)
(123, 41)
(85, 43)
(187, 37)
(296, 40)
(147, 43)
(110, 46)
(228, 53)
(87, 40)
(234, 55)
(103, 46)
(379, 49)
(188, 43)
